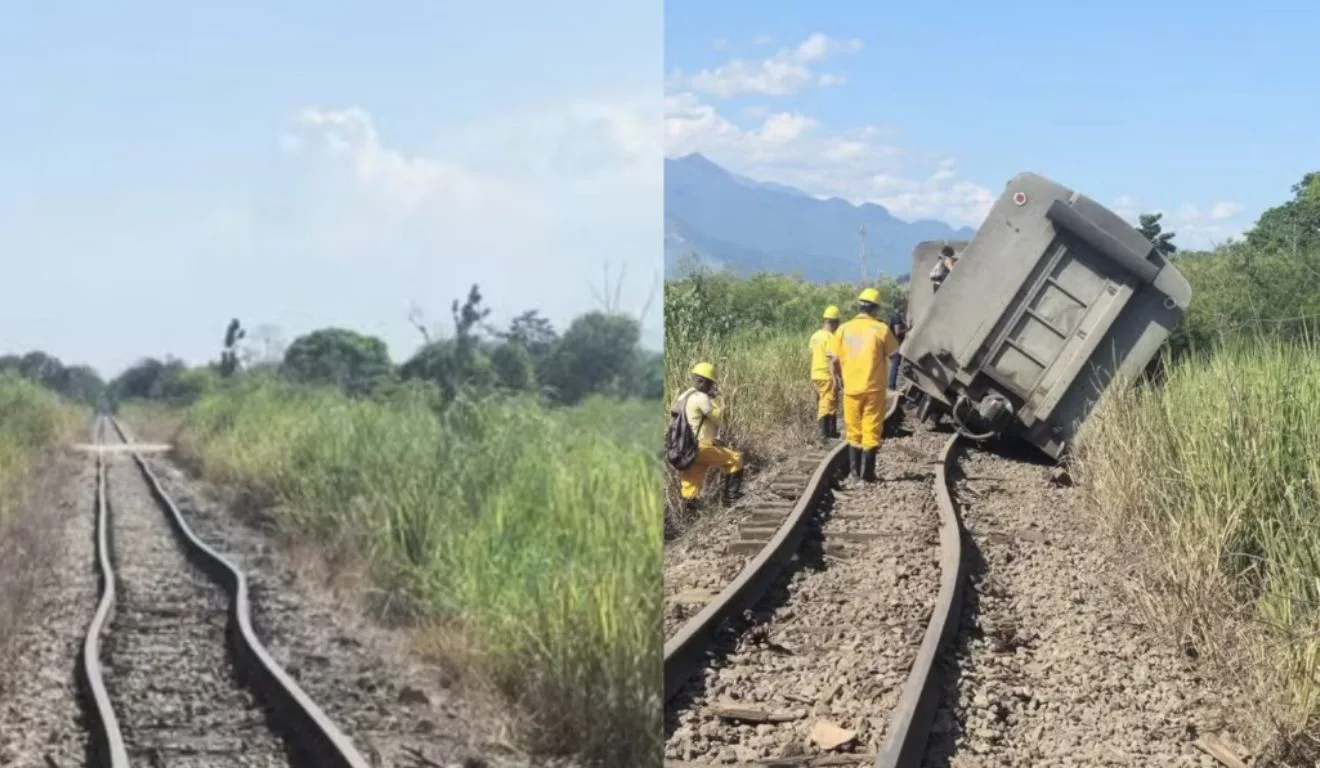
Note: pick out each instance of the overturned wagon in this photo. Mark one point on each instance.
(1052, 298)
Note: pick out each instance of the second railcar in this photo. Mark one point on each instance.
(1052, 299)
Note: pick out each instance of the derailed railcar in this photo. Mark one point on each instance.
(1051, 299)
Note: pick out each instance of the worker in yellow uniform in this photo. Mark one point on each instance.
(822, 375)
(862, 347)
(704, 416)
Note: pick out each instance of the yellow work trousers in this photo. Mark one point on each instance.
(827, 401)
(694, 477)
(864, 416)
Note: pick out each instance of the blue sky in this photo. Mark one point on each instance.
(1205, 111)
(300, 165)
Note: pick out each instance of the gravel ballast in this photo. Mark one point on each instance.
(393, 707)
(822, 663)
(49, 591)
(1051, 665)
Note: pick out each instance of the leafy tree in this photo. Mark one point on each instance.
(1151, 229)
(533, 333)
(152, 379)
(229, 356)
(1294, 226)
(596, 354)
(648, 382)
(512, 365)
(41, 368)
(79, 383)
(83, 384)
(469, 362)
(355, 363)
(451, 366)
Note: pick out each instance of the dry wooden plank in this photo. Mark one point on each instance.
(1215, 747)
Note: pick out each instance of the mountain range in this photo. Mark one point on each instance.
(749, 226)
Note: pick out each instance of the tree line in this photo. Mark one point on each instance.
(598, 353)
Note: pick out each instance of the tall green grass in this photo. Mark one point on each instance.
(755, 330)
(536, 532)
(764, 380)
(32, 421)
(1220, 471)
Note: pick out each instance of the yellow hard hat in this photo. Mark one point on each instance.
(870, 296)
(831, 313)
(704, 370)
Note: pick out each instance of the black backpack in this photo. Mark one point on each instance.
(680, 441)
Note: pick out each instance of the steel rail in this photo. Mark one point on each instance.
(909, 725)
(107, 743)
(317, 741)
(684, 652)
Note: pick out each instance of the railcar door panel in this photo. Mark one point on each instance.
(1059, 322)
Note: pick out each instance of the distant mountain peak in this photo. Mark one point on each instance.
(751, 225)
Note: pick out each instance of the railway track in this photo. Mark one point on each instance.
(171, 669)
(1021, 657)
(858, 638)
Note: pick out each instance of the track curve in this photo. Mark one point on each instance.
(910, 719)
(313, 739)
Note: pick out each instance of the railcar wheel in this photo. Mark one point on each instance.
(928, 417)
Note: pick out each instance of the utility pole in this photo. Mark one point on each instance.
(862, 239)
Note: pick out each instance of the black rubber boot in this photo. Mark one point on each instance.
(733, 487)
(833, 419)
(824, 423)
(854, 461)
(868, 465)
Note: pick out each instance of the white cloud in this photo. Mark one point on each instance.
(1194, 226)
(1224, 210)
(763, 40)
(400, 183)
(782, 127)
(786, 72)
(1126, 206)
(531, 206)
(864, 164)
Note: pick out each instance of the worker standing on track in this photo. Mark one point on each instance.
(862, 347)
(822, 375)
(704, 416)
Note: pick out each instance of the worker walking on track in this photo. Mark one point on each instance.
(862, 347)
(822, 375)
(703, 415)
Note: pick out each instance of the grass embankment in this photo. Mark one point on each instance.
(764, 387)
(33, 421)
(534, 531)
(755, 330)
(33, 424)
(1218, 474)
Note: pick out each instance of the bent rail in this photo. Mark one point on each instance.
(684, 651)
(107, 743)
(318, 741)
(909, 726)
